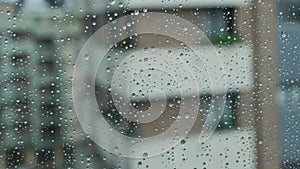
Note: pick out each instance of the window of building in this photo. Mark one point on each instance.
(15, 157)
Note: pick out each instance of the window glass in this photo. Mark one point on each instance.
(149, 84)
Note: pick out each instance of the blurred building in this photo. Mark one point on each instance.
(38, 50)
(35, 46)
(238, 33)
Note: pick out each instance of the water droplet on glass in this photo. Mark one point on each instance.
(185, 29)
(283, 34)
(112, 2)
(187, 115)
(116, 148)
(182, 142)
(145, 10)
(178, 116)
(136, 12)
(145, 154)
(86, 57)
(121, 5)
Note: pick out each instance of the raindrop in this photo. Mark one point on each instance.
(187, 115)
(112, 2)
(178, 117)
(283, 34)
(86, 57)
(182, 142)
(145, 154)
(116, 148)
(145, 10)
(136, 12)
(185, 29)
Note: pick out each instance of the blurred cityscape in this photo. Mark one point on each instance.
(258, 42)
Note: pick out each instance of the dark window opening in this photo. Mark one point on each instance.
(46, 66)
(48, 90)
(45, 156)
(69, 152)
(22, 127)
(22, 105)
(49, 110)
(14, 157)
(19, 59)
(229, 116)
(51, 131)
(55, 3)
(21, 35)
(45, 44)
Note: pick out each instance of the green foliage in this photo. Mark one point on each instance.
(225, 39)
